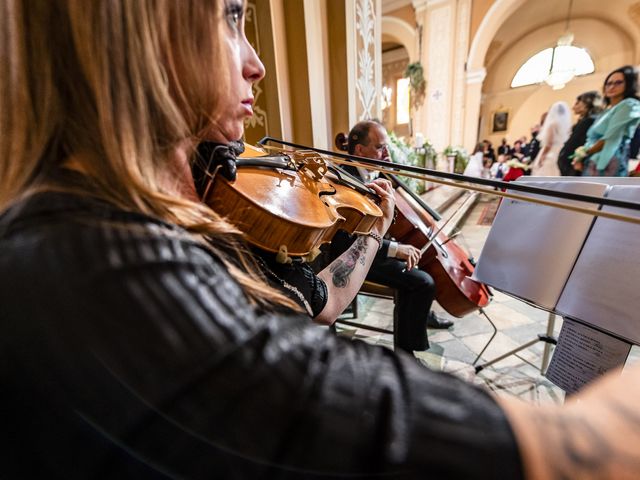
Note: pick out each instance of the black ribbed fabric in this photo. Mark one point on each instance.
(129, 352)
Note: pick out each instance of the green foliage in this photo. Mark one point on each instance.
(415, 73)
(429, 154)
(402, 153)
(462, 158)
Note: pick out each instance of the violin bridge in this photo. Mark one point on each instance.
(312, 164)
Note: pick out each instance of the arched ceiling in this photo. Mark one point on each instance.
(536, 14)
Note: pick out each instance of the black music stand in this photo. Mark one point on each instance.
(547, 338)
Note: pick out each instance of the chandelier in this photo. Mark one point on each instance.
(562, 70)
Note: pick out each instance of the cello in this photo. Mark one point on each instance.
(442, 258)
(447, 263)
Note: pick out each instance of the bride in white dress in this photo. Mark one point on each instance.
(553, 134)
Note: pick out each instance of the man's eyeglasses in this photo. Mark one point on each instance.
(614, 83)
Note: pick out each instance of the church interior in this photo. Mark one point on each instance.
(444, 77)
(320, 239)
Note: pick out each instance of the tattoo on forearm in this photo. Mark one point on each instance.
(579, 449)
(341, 269)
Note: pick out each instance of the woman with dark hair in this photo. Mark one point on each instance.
(587, 107)
(606, 150)
(476, 167)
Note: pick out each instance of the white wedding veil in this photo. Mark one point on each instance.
(557, 126)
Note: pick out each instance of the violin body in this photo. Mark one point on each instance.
(297, 208)
(444, 260)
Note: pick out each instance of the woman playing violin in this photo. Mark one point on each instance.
(324, 296)
(137, 339)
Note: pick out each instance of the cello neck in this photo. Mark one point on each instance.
(400, 184)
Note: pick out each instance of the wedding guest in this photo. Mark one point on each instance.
(476, 167)
(504, 147)
(606, 150)
(587, 107)
(517, 151)
(532, 148)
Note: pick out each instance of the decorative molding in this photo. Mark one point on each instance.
(403, 32)
(497, 14)
(476, 76)
(419, 5)
(388, 69)
(395, 55)
(437, 3)
(492, 51)
(391, 5)
(365, 66)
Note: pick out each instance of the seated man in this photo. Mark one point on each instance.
(394, 264)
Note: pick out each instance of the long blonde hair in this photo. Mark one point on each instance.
(117, 85)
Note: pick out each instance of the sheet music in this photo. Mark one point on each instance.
(604, 286)
(532, 248)
(583, 354)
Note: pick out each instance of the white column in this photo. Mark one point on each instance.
(315, 14)
(282, 68)
(419, 116)
(463, 24)
(440, 36)
(473, 98)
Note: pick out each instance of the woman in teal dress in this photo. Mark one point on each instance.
(606, 152)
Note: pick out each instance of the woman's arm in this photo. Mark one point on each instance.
(595, 435)
(547, 146)
(543, 154)
(596, 147)
(345, 275)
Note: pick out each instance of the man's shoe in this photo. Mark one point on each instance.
(440, 323)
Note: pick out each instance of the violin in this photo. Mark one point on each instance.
(292, 202)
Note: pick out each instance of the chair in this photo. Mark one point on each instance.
(372, 289)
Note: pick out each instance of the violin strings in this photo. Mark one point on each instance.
(466, 186)
(456, 177)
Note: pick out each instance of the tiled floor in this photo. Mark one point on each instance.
(455, 349)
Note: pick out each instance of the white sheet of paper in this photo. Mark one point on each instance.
(531, 248)
(604, 287)
(582, 355)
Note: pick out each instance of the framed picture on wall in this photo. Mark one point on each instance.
(500, 121)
